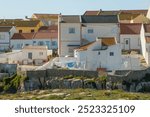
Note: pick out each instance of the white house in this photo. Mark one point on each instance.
(49, 39)
(34, 54)
(100, 26)
(130, 36)
(145, 42)
(19, 40)
(102, 53)
(6, 32)
(69, 34)
(75, 31)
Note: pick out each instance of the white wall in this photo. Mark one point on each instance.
(35, 54)
(134, 43)
(100, 30)
(143, 42)
(19, 43)
(45, 40)
(68, 39)
(5, 42)
(148, 14)
(93, 60)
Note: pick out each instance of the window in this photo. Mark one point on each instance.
(20, 31)
(54, 43)
(111, 53)
(70, 50)
(99, 53)
(30, 55)
(71, 30)
(2, 37)
(90, 31)
(41, 43)
(48, 44)
(32, 31)
(26, 44)
(40, 53)
(18, 46)
(127, 42)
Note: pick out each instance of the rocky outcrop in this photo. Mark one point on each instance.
(73, 83)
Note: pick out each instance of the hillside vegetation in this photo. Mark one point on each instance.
(76, 94)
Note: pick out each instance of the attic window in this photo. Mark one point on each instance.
(32, 31)
(20, 31)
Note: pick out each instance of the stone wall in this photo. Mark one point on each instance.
(61, 73)
(39, 79)
(8, 68)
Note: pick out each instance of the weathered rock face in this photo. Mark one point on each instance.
(76, 83)
(73, 83)
(143, 87)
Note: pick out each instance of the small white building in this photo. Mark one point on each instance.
(102, 53)
(19, 40)
(6, 32)
(130, 36)
(34, 54)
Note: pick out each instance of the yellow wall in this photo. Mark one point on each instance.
(28, 29)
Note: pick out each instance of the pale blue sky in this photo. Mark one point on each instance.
(22, 8)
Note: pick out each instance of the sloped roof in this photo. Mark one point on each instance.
(23, 36)
(35, 47)
(82, 48)
(100, 19)
(52, 28)
(147, 38)
(108, 41)
(46, 35)
(141, 19)
(45, 16)
(70, 19)
(147, 28)
(128, 28)
(19, 23)
(109, 12)
(5, 28)
(91, 13)
(144, 11)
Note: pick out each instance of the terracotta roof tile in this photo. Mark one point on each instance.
(46, 16)
(52, 28)
(108, 41)
(35, 47)
(19, 23)
(85, 46)
(46, 35)
(135, 11)
(91, 13)
(130, 28)
(23, 36)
